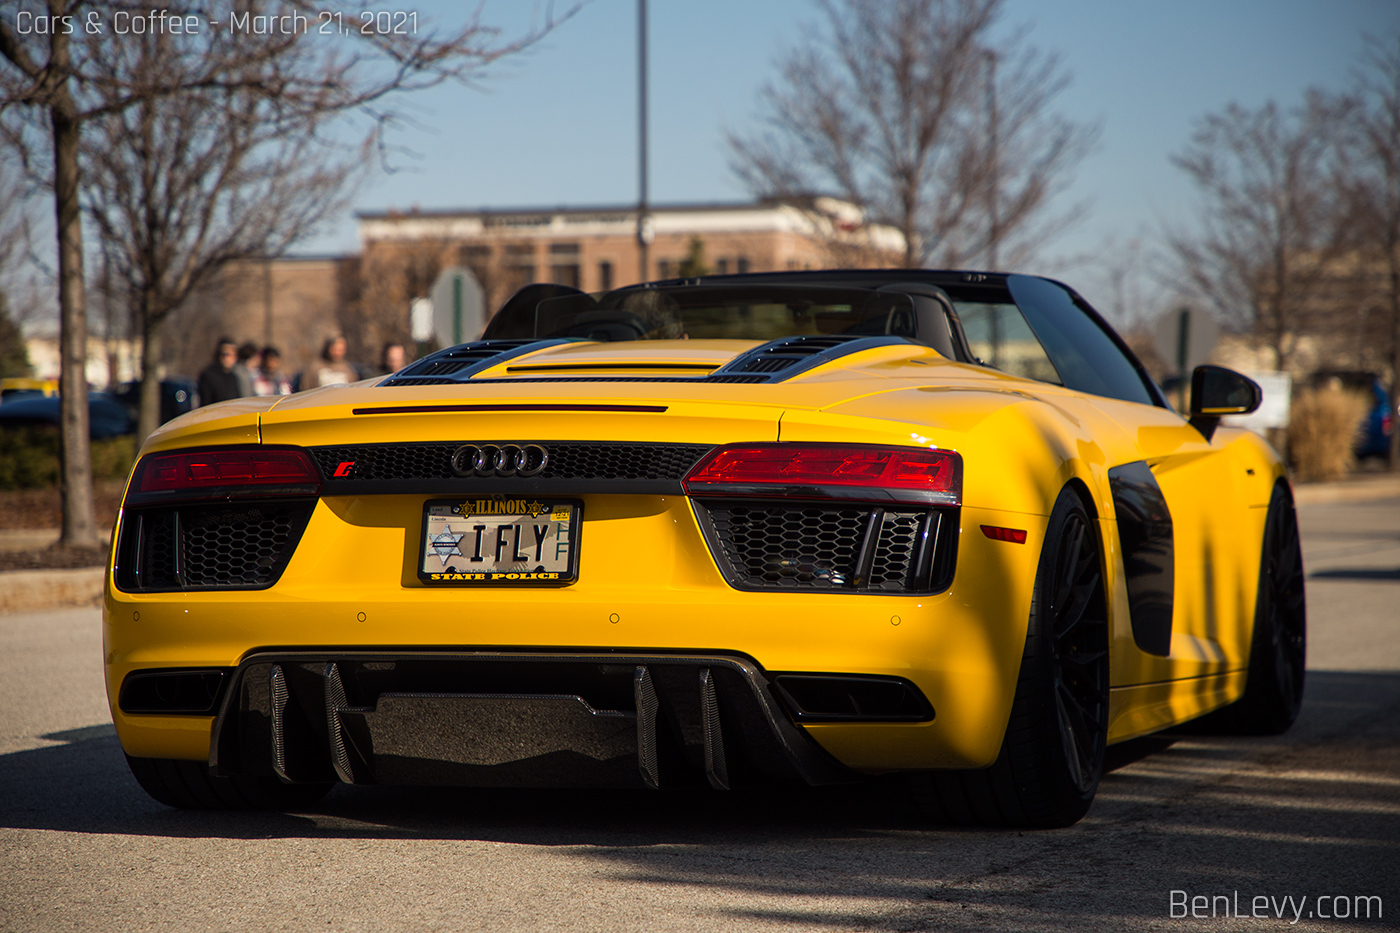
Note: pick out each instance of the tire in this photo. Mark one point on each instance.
(188, 785)
(1273, 692)
(1052, 755)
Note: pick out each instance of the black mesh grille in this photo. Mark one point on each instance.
(442, 368)
(782, 546)
(894, 555)
(158, 550)
(567, 461)
(461, 360)
(824, 546)
(205, 547)
(779, 355)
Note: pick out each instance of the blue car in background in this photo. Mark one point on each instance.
(1375, 442)
(177, 396)
(109, 414)
(1373, 434)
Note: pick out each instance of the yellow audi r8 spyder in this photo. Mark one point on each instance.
(803, 527)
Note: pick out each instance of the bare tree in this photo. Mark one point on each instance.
(386, 281)
(14, 355)
(182, 187)
(1270, 221)
(910, 110)
(67, 73)
(1373, 185)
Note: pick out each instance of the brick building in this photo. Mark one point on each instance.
(296, 303)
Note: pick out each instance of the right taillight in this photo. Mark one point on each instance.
(830, 471)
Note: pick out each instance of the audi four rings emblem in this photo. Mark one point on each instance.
(499, 460)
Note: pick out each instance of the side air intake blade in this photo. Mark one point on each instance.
(647, 707)
(335, 702)
(715, 768)
(277, 684)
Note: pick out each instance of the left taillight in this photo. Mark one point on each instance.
(225, 471)
(830, 471)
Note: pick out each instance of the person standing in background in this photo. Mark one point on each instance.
(218, 382)
(268, 378)
(392, 359)
(242, 369)
(335, 369)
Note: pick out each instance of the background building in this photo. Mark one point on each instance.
(297, 303)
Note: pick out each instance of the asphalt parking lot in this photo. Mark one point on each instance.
(1309, 822)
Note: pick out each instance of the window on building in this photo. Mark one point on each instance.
(563, 249)
(605, 276)
(741, 265)
(518, 276)
(519, 265)
(562, 273)
(476, 258)
(663, 269)
(722, 266)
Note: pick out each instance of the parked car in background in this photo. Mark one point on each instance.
(14, 388)
(178, 394)
(107, 416)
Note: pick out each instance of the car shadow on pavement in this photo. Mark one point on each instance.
(1362, 573)
(1347, 789)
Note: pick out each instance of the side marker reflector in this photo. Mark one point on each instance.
(1014, 535)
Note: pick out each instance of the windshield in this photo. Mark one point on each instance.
(723, 312)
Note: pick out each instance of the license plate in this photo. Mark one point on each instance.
(470, 542)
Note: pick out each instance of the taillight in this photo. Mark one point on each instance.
(830, 471)
(226, 471)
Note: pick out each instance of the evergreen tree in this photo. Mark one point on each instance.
(694, 265)
(14, 355)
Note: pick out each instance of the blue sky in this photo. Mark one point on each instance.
(556, 126)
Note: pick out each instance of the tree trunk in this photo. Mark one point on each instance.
(79, 518)
(149, 418)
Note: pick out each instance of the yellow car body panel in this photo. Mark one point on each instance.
(648, 582)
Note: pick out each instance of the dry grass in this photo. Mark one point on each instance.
(1322, 432)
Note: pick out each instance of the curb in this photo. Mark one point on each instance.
(30, 590)
(1359, 489)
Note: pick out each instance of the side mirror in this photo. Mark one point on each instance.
(1217, 391)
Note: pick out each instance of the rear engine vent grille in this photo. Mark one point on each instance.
(463, 361)
(836, 547)
(774, 361)
(782, 359)
(209, 547)
(567, 461)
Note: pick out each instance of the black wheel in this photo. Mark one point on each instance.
(188, 785)
(1273, 691)
(1052, 755)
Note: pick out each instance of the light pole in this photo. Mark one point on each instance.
(267, 302)
(644, 229)
(993, 169)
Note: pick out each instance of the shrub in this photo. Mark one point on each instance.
(29, 457)
(1322, 432)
